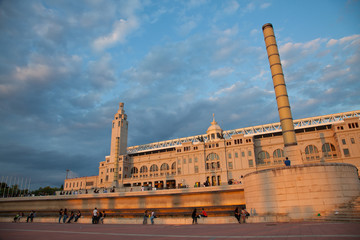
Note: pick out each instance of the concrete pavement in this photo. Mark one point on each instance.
(303, 230)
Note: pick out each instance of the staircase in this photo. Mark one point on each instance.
(349, 212)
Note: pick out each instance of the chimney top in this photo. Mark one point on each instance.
(266, 25)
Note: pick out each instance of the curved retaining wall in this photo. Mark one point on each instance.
(300, 192)
(48, 206)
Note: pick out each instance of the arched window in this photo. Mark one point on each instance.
(164, 169)
(263, 158)
(134, 172)
(154, 170)
(328, 150)
(143, 171)
(212, 162)
(311, 153)
(278, 156)
(173, 168)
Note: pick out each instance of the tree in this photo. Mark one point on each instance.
(45, 191)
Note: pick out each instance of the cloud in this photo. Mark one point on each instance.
(121, 29)
(221, 72)
(231, 7)
(354, 39)
(39, 72)
(265, 5)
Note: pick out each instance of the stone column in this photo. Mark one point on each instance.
(290, 144)
(282, 99)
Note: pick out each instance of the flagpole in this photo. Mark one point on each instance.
(25, 186)
(5, 186)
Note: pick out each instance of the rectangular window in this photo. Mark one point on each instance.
(229, 155)
(184, 161)
(196, 169)
(190, 160)
(230, 165)
(251, 164)
(236, 154)
(352, 140)
(179, 170)
(196, 159)
(179, 162)
(346, 152)
(249, 153)
(243, 154)
(343, 141)
(89, 183)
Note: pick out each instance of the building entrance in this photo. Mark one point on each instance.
(170, 184)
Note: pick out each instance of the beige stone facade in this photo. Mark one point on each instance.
(219, 157)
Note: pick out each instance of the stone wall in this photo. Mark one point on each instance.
(47, 207)
(302, 191)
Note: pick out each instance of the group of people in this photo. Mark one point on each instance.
(30, 217)
(149, 214)
(63, 215)
(195, 216)
(241, 215)
(75, 192)
(98, 216)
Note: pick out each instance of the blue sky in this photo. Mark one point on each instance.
(65, 66)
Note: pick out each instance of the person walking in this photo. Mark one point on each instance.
(145, 217)
(61, 214)
(103, 215)
(152, 217)
(65, 215)
(194, 217)
(95, 214)
(237, 214)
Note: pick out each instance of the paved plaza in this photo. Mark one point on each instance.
(305, 230)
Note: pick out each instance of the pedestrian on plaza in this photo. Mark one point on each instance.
(203, 213)
(244, 214)
(21, 215)
(17, 216)
(145, 216)
(31, 216)
(95, 214)
(102, 216)
(65, 215)
(61, 214)
(194, 217)
(72, 215)
(153, 215)
(77, 216)
(237, 214)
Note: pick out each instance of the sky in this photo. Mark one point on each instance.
(65, 65)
